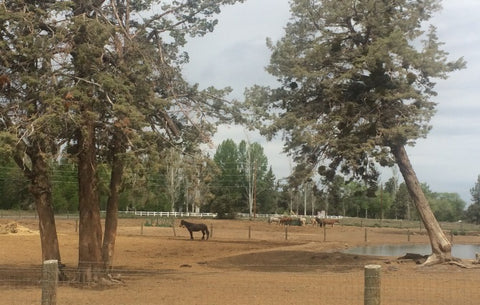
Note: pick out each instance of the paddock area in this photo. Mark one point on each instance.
(243, 262)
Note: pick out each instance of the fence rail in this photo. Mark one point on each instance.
(168, 214)
(203, 215)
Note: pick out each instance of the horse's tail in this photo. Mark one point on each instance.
(208, 232)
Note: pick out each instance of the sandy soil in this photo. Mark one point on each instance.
(244, 262)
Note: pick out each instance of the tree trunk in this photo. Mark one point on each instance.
(111, 220)
(441, 247)
(41, 190)
(90, 228)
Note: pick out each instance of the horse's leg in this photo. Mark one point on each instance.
(203, 236)
(191, 234)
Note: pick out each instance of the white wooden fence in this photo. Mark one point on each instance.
(203, 215)
(168, 214)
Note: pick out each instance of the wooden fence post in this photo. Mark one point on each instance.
(249, 232)
(173, 228)
(286, 232)
(372, 285)
(49, 282)
(211, 230)
(366, 235)
(324, 232)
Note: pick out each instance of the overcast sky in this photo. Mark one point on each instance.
(235, 55)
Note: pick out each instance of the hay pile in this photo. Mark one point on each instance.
(15, 228)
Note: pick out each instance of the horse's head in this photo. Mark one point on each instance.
(182, 223)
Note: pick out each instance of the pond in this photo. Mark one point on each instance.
(464, 251)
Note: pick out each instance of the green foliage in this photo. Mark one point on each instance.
(473, 214)
(13, 188)
(98, 63)
(461, 232)
(64, 187)
(352, 199)
(243, 176)
(475, 192)
(266, 194)
(355, 83)
(403, 206)
(227, 186)
(473, 211)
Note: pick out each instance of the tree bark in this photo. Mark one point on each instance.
(41, 190)
(42, 193)
(441, 246)
(90, 228)
(111, 220)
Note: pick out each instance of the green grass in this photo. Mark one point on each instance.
(457, 228)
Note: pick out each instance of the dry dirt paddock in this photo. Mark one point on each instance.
(245, 262)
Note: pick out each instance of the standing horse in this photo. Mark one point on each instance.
(326, 221)
(194, 227)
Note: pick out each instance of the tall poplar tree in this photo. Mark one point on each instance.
(357, 81)
(253, 166)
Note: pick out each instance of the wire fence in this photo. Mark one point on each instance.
(256, 283)
(435, 286)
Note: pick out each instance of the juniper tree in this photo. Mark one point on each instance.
(131, 98)
(104, 77)
(31, 120)
(357, 81)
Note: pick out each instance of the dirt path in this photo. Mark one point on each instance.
(243, 263)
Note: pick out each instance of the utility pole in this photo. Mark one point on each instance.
(305, 185)
(255, 189)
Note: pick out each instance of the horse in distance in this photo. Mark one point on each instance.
(195, 227)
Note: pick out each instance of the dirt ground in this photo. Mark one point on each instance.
(244, 262)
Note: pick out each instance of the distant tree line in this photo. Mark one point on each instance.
(238, 179)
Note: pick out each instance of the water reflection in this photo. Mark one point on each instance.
(460, 251)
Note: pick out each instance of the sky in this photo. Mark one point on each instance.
(448, 160)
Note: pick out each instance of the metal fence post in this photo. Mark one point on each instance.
(372, 285)
(49, 282)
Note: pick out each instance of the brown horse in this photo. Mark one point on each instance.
(326, 221)
(194, 227)
(285, 220)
